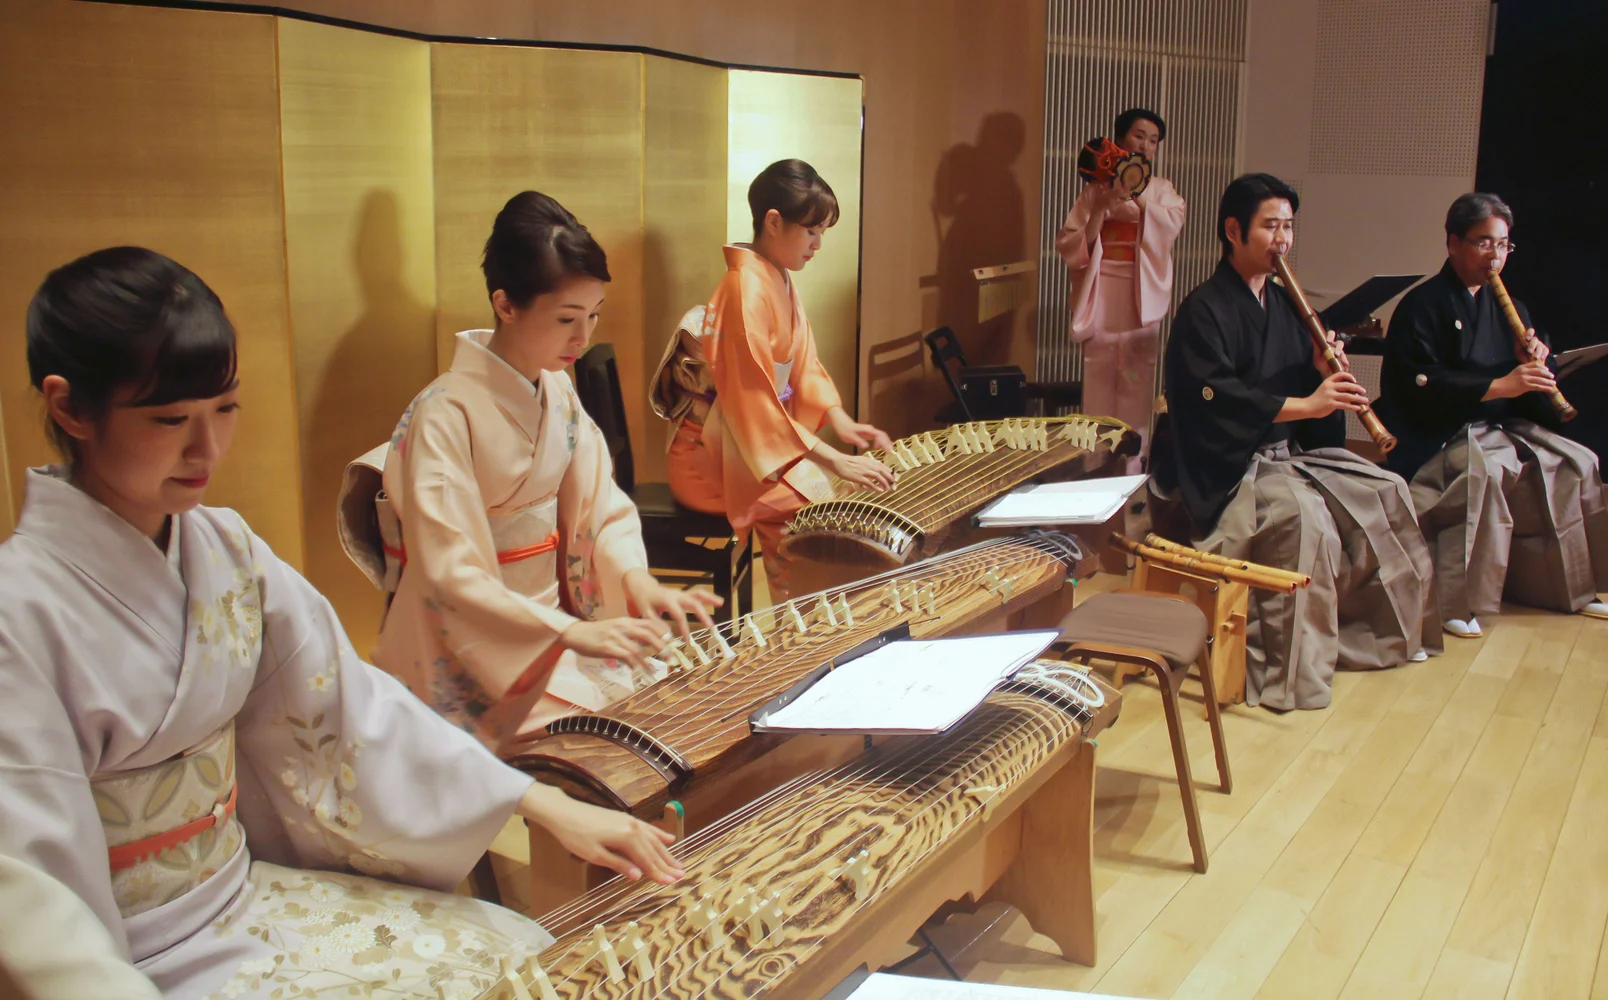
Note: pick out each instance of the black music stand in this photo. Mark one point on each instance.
(1572, 361)
(1361, 302)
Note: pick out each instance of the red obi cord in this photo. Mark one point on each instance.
(548, 544)
(128, 855)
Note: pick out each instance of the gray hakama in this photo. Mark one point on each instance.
(1349, 525)
(1513, 509)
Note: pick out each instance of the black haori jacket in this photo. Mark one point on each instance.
(1444, 348)
(1230, 365)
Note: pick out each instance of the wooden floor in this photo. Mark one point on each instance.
(1440, 831)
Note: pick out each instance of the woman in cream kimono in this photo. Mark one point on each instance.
(1120, 253)
(517, 555)
(191, 746)
(745, 442)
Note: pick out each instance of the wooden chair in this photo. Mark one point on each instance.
(676, 537)
(1164, 634)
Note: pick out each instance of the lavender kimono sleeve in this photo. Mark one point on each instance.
(340, 766)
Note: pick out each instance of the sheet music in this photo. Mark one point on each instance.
(1082, 501)
(882, 986)
(912, 685)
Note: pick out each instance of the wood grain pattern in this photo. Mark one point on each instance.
(862, 527)
(703, 713)
(912, 804)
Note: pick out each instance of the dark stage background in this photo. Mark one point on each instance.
(1544, 149)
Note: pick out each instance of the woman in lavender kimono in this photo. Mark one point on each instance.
(190, 744)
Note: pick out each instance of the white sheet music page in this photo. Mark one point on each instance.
(912, 685)
(882, 986)
(1081, 501)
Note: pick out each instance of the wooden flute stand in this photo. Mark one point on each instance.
(1221, 589)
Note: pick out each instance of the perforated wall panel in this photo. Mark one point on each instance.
(1398, 87)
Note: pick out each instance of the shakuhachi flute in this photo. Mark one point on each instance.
(1193, 561)
(1320, 338)
(1155, 541)
(1523, 338)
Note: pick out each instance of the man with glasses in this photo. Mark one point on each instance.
(1506, 504)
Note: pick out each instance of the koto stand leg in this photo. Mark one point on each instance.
(1052, 879)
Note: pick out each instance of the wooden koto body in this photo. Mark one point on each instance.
(943, 477)
(691, 728)
(790, 893)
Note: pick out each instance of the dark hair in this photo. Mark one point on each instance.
(127, 317)
(1127, 118)
(534, 245)
(1243, 197)
(1469, 210)
(796, 192)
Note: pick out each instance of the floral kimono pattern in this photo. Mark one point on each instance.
(143, 689)
(512, 529)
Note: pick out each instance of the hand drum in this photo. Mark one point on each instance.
(1102, 161)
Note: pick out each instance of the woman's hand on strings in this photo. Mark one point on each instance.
(855, 434)
(650, 599)
(862, 470)
(603, 837)
(630, 639)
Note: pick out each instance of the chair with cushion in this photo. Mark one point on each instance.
(679, 540)
(1165, 634)
(950, 359)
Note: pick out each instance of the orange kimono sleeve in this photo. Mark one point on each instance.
(766, 435)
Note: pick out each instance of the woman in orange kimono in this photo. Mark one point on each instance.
(521, 585)
(749, 449)
(1120, 254)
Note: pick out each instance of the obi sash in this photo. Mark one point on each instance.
(1119, 239)
(170, 826)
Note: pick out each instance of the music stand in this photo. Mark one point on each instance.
(1358, 304)
(1572, 361)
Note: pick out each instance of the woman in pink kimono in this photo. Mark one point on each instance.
(748, 448)
(190, 744)
(517, 554)
(1120, 254)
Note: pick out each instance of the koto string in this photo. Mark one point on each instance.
(687, 710)
(716, 676)
(933, 777)
(741, 702)
(936, 774)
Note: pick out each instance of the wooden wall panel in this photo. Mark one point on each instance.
(360, 245)
(683, 214)
(776, 116)
(568, 123)
(160, 128)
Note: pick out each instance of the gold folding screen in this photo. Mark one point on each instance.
(335, 186)
(1182, 59)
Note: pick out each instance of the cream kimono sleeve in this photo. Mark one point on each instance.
(52, 945)
(340, 766)
(498, 635)
(601, 532)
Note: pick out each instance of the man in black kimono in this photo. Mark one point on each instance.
(1260, 466)
(1501, 498)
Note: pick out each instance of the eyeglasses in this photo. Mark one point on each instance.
(1487, 244)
